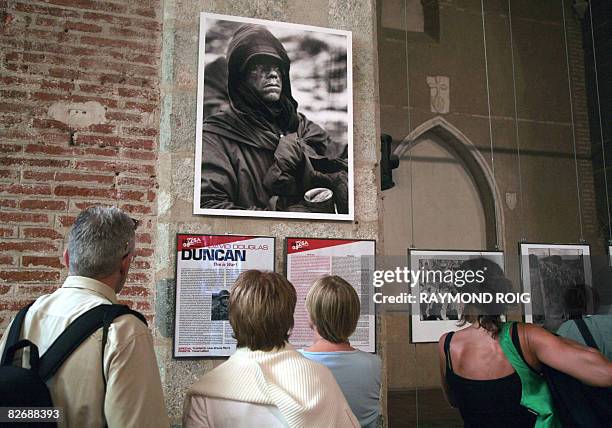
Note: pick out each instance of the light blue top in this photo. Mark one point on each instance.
(600, 327)
(358, 374)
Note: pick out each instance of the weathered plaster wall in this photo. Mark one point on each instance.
(177, 145)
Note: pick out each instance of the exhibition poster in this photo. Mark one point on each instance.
(206, 268)
(308, 259)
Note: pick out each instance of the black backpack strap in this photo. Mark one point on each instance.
(447, 355)
(13, 334)
(79, 330)
(586, 334)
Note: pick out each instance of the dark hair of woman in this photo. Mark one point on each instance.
(487, 315)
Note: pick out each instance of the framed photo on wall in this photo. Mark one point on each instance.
(430, 319)
(274, 130)
(551, 274)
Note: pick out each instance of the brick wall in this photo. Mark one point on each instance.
(71, 55)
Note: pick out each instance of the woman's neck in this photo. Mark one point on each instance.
(322, 345)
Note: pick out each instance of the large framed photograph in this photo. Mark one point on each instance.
(431, 319)
(354, 260)
(554, 275)
(206, 268)
(274, 134)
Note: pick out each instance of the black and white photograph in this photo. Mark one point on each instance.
(558, 277)
(274, 120)
(219, 306)
(430, 319)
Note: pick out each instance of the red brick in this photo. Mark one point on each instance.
(30, 8)
(94, 151)
(141, 264)
(138, 277)
(57, 86)
(136, 209)
(27, 189)
(49, 150)
(81, 26)
(12, 80)
(13, 94)
(53, 262)
(135, 181)
(68, 176)
(8, 203)
(144, 238)
(29, 276)
(111, 19)
(90, 4)
(40, 232)
(38, 176)
(125, 117)
(103, 42)
(113, 141)
(23, 218)
(137, 93)
(151, 196)
(102, 128)
(144, 252)
(44, 163)
(149, 12)
(3, 290)
(66, 220)
(49, 124)
(10, 148)
(100, 193)
(147, 108)
(46, 96)
(9, 120)
(7, 260)
(27, 246)
(115, 167)
(35, 291)
(47, 59)
(139, 132)
(14, 305)
(9, 173)
(64, 73)
(138, 154)
(143, 305)
(134, 290)
(46, 22)
(6, 232)
(96, 89)
(49, 205)
(14, 108)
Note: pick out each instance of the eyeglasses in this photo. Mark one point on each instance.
(264, 68)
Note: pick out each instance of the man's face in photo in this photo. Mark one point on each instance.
(264, 76)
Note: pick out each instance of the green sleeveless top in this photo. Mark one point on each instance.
(535, 394)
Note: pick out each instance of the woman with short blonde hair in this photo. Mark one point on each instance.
(265, 382)
(334, 310)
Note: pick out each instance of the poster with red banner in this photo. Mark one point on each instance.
(308, 259)
(206, 268)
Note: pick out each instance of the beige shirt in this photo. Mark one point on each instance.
(134, 395)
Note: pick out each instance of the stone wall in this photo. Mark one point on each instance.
(177, 146)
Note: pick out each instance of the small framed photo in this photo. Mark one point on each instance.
(551, 274)
(431, 319)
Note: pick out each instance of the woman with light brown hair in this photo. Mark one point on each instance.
(334, 309)
(265, 383)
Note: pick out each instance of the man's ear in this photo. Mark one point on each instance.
(66, 258)
(125, 263)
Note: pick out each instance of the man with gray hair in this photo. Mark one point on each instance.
(118, 386)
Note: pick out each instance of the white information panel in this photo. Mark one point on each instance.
(206, 268)
(309, 259)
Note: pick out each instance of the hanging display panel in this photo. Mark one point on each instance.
(308, 259)
(274, 133)
(548, 273)
(439, 277)
(206, 268)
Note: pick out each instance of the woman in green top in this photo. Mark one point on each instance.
(491, 369)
